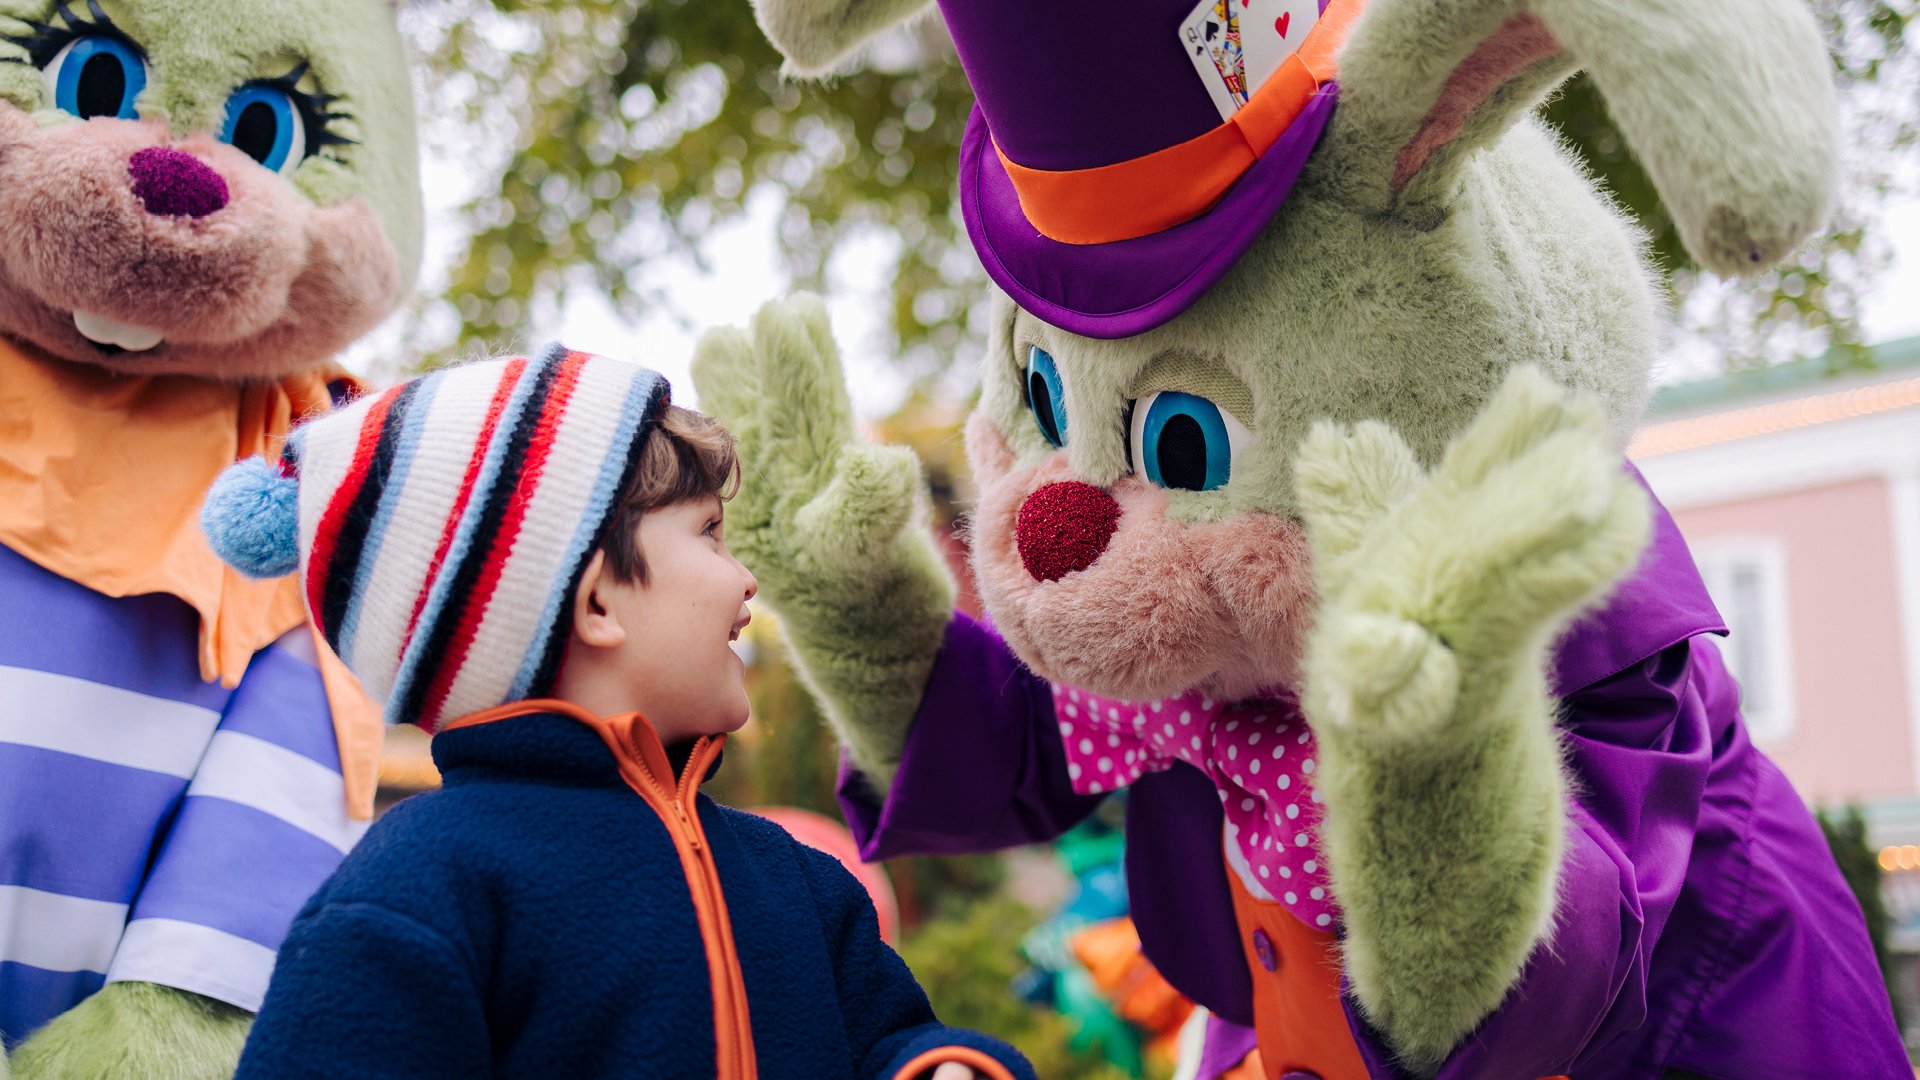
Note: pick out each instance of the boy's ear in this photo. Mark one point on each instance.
(1728, 103)
(595, 624)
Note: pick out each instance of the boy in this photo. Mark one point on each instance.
(527, 558)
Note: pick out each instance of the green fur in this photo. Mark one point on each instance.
(1728, 104)
(1200, 376)
(834, 529)
(815, 36)
(1339, 315)
(137, 1029)
(1425, 685)
(1454, 531)
(200, 51)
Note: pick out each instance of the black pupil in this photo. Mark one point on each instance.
(1183, 454)
(103, 86)
(257, 130)
(1042, 400)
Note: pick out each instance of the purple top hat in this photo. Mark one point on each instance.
(1099, 183)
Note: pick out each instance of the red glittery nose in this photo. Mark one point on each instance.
(175, 184)
(1064, 527)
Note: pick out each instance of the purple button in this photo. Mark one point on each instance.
(1299, 1074)
(1263, 949)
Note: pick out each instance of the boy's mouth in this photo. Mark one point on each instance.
(734, 634)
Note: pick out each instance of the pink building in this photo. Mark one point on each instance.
(1799, 493)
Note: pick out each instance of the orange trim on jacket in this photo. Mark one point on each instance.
(1154, 192)
(644, 766)
(981, 1062)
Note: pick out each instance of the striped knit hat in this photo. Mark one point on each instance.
(442, 525)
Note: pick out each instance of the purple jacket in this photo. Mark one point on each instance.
(1703, 923)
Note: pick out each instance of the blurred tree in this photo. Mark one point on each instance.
(630, 127)
(622, 130)
(786, 757)
(966, 966)
(1811, 303)
(1846, 833)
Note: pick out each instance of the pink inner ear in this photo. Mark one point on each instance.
(1521, 42)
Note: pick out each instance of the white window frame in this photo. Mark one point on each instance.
(1767, 706)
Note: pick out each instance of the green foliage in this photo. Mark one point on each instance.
(636, 125)
(966, 963)
(1846, 833)
(1811, 303)
(786, 757)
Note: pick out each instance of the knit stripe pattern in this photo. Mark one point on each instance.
(443, 522)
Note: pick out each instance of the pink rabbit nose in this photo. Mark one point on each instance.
(1064, 527)
(175, 184)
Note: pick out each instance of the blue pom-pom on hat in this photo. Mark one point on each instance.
(252, 519)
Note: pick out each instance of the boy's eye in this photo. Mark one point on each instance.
(1046, 396)
(1184, 441)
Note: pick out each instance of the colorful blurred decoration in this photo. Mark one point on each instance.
(1087, 962)
(822, 833)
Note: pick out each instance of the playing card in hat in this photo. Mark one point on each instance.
(1210, 35)
(1269, 32)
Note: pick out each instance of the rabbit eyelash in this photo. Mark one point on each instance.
(44, 40)
(316, 108)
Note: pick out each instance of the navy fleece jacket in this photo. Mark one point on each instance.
(531, 919)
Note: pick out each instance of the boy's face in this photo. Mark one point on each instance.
(675, 661)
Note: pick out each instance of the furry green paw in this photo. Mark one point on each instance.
(1526, 518)
(1425, 681)
(832, 527)
(137, 1029)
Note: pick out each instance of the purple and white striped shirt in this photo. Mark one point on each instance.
(153, 827)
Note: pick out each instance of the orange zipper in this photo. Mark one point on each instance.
(644, 766)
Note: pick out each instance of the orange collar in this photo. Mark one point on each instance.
(101, 481)
(631, 738)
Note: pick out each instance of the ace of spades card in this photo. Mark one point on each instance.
(1237, 45)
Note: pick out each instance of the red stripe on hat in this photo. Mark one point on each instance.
(509, 378)
(334, 519)
(474, 604)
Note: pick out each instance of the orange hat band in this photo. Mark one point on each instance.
(1152, 193)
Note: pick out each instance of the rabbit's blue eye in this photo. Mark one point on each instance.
(266, 123)
(1046, 397)
(97, 75)
(1183, 441)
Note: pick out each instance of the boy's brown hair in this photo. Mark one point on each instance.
(686, 455)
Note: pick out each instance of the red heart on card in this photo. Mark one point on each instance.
(1280, 23)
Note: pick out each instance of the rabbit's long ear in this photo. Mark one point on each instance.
(816, 35)
(1728, 103)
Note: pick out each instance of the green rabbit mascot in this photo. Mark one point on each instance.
(1303, 515)
(203, 202)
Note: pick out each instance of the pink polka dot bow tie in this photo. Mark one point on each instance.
(1259, 755)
